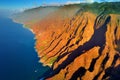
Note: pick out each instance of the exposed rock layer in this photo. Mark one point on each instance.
(81, 46)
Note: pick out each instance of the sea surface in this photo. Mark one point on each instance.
(18, 59)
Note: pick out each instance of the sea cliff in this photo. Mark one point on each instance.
(78, 41)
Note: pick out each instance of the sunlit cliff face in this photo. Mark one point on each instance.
(79, 42)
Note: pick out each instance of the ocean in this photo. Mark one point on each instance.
(18, 58)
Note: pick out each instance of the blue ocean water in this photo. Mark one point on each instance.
(18, 59)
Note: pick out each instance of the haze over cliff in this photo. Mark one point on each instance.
(78, 41)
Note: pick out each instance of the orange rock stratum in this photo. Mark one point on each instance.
(78, 44)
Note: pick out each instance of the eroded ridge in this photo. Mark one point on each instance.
(85, 47)
(81, 46)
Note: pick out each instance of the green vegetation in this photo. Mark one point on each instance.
(107, 7)
(42, 47)
(52, 60)
(27, 26)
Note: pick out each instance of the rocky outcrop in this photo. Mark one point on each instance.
(81, 46)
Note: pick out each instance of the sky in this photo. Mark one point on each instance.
(25, 4)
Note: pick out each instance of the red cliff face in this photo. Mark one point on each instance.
(83, 46)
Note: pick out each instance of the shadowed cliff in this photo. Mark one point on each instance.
(78, 41)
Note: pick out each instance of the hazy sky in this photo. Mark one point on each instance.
(22, 4)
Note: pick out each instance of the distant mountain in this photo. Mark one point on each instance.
(78, 41)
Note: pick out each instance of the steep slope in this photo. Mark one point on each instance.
(79, 42)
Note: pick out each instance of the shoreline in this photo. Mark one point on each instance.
(23, 25)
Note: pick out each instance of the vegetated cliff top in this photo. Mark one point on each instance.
(35, 14)
(111, 7)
